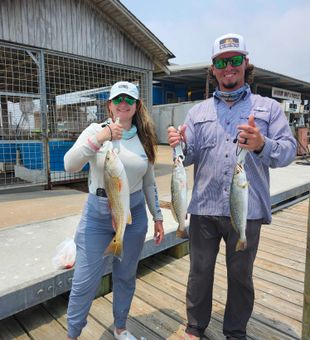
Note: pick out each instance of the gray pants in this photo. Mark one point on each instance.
(205, 234)
(93, 235)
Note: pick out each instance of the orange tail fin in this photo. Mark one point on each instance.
(115, 248)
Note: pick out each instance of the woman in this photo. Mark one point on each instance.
(133, 134)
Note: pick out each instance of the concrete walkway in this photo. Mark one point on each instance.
(34, 223)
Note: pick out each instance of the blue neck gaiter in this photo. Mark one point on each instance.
(233, 96)
(127, 134)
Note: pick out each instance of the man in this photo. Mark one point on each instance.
(210, 132)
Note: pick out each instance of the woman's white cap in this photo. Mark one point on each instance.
(230, 42)
(124, 87)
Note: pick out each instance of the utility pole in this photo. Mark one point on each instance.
(306, 312)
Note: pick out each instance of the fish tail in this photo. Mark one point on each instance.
(115, 248)
(241, 245)
(182, 233)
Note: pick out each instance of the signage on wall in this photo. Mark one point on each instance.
(285, 94)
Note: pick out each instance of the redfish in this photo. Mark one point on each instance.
(117, 189)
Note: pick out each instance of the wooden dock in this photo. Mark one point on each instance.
(158, 309)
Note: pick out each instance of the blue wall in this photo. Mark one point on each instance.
(31, 154)
(165, 92)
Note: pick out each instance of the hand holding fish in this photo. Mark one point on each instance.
(158, 232)
(250, 137)
(175, 136)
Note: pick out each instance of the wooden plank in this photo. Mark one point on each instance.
(291, 307)
(293, 224)
(271, 288)
(39, 324)
(306, 309)
(291, 228)
(172, 305)
(281, 322)
(256, 330)
(158, 309)
(278, 268)
(285, 239)
(293, 216)
(10, 329)
(277, 227)
(151, 317)
(285, 236)
(101, 310)
(296, 266)
(287, 252)
(57, 307)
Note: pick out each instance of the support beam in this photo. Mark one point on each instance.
(179, 250)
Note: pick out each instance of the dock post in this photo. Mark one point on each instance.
(306, 311)
(105, 285)
(179, 250)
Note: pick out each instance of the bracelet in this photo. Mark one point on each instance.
(110, 132)
(257, 152)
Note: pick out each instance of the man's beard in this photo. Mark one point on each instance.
(229, 86)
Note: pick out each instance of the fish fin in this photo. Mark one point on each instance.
(129, 219)
(241, 245)
(182, 233)
(113, 222)
(173, 213)
(115, 248)
(119, 185)
(234, 224)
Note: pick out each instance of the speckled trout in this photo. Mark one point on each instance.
(179, 193)
(239, 194)
(117, 189)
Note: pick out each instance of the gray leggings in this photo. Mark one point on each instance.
(94, 233)
(205, 234)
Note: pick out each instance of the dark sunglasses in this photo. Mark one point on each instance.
(234, 61)
(119, 99)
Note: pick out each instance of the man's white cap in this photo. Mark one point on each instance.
(124, 87)
(230, 42)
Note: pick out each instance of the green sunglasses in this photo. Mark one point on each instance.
(234, 61)
(119, 99)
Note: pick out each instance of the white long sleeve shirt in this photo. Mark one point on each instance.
(139, 170)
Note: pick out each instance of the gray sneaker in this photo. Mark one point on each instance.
(124, 335)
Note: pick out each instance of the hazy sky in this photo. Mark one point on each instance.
(277, 32)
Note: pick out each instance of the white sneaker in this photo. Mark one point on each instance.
(124, 335)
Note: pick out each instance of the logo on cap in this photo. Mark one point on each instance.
(229, 42)
(123, 86)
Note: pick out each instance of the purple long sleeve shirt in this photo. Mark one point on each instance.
(211, 129)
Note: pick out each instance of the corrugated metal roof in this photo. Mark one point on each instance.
(197, 72)
(136, 32)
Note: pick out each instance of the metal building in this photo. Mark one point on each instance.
(58, 59)
(185, 85)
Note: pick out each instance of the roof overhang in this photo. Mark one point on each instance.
(197, 73)
(136, 32)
